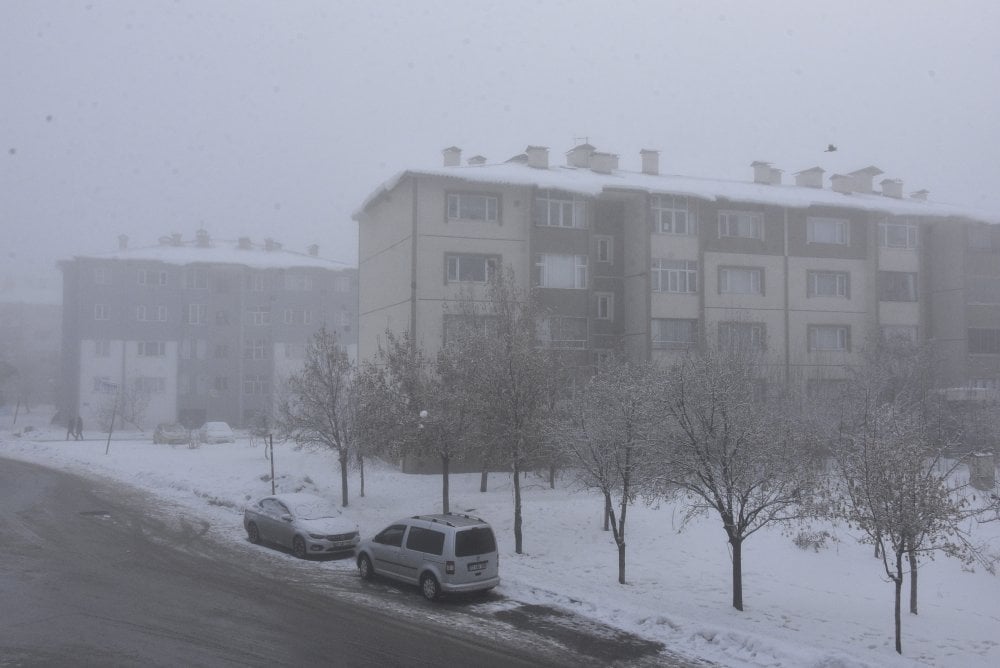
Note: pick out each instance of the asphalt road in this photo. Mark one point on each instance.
(94, 573)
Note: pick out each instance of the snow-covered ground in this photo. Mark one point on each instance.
(829, 608)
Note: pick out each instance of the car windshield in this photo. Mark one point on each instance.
(314, 509)
(478, 540)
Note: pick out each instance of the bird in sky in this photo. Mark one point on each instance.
(830, 148)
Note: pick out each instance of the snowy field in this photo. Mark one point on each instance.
(831, 608)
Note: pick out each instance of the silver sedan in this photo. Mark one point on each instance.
(304, 523)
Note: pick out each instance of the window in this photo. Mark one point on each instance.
(985, 383)
(743, 224)
(470, 206)
(457, 326)
(296, 281)
(605, 306)
(428, 541)
(197, 314)
(220, 384)
(102, 348)
(671, 215)
(258, 316)
(674, 275)
(469, 268)
(255, 349)
(161, 313)
(195, 278)
(255, 282)
(984, 341)
(741, 280)
(828, 284)
(560, 210)
(477, 540)
(563, 332)
(562, 271)
(342, 284)
(982, 289)
(673, 332)
(289, 316)
(140, 313)
(150, 277)
(741, 336)
(102, 312)
(980, 237)
(221, 351)
(899, 333)
(103, 385)
(152, 348)
(150, 385)
(828, 231)
(897, 235)
(307, 316)
(255, 384)
(897, 286)
(605, 249)
(392, 536)
(829, 337)
(102, 276)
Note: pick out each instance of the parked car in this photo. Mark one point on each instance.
(171, 433)
(216, 432)
(304, 523)
(442, 554)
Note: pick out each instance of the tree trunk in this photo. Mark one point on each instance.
(445, 461)
(361, 469)
(607, 514)
(552, 476)
(343, 477)
(913, 581)
(621, 561)
(898, 582)
(482, 480)
(737, 545)
(517, 509)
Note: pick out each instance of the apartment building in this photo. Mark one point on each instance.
(204, 329)
(647, 265)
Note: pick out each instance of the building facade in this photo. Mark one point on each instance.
(644, 265)
(197, 330)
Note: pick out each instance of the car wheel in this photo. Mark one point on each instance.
(429, 586)
(365, 567)
(299, 547)
(253, 533)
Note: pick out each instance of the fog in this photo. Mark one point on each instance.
(276, 119)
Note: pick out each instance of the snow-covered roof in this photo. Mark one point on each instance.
(585, 181)
(220, 251)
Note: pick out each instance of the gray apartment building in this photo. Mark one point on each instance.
(646, 265)
(205, 329)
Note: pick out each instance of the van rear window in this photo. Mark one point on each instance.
(478, 540)
(425, 540)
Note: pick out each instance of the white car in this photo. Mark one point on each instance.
(216, 432)
(304, 523)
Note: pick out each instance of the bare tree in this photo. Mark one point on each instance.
(316, 408)
(128, 405)
(732, 447)
(606, 431)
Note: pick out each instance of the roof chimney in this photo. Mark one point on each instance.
(841, 183)
(243, 243)
(175, 239)
(892, 188)
(538, 156)
(477, 160)
(201, 238)
(863, 179)
(920, 195)
(650, 161)
(603, 163)
(810, 178)
(764, 173)
(122, 241)
(314, 250)
(579, 156)
(452, 156)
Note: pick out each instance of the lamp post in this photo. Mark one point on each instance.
(426, 420)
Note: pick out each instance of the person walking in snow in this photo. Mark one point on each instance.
(71, 428)
(78, 428)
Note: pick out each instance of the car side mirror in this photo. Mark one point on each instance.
(287, 518)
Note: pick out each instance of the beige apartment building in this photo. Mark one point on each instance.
(647, 265)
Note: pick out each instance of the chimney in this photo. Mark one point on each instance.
(920, 195)
(538, 156)
(841, 183)
(201, 238)
(603, 163)
(810, 178)
(243, 243)
(175, 239)
(271, 245)
(892, 188)
(864, 178)
(579, 156)
(314, 250)
(452, 156)
(122, 241)
(477, 160)
(650, 161)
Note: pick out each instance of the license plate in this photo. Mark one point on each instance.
(478, 565)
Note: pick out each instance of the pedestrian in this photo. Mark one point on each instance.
(79, 428)
(71, 428)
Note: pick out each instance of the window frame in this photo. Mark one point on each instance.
(676, 272)
(580, 271)
(102, 312)
(842, 230)
(757, 334)
(608, 243)
(842, 288)
(731, 220)
(656, 328)
(665, 215)
(455, 260)
(453, 209)
(912, 234)
(842, 334)
(986, 341)
(887, 295)
(563, 203)
(607, 312)
(755, 273)
(196, 314)
(561, 321)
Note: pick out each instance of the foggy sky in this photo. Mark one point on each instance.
(276, 118)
